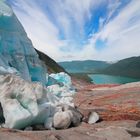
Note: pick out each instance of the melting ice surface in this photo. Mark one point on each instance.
(26, 103)
(23, 102)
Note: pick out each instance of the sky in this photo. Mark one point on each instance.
(68, 30)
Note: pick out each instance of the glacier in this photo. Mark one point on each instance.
(62, 78)
(26, 103)
(28, 94)
(16, 49)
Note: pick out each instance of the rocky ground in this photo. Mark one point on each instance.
(105, 130)
(117, 105)
(112, 102)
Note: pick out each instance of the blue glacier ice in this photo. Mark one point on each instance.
(16, 49)
(62, 78)
(25, 102)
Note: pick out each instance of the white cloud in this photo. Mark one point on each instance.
(43, 33)
(112, 7)
(121, 35)
(71, 15)
(40, 30)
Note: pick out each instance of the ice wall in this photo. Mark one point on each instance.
(16, 49)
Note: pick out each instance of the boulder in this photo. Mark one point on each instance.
(93, 118)
(62, 119)
(76, 115)
(29, 128)
(66, 116)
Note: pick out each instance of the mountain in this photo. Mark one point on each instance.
(52, 66)
(127, 67)
(86, 66)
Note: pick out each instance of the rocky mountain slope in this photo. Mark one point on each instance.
(52, 66)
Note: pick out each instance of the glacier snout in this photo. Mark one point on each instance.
(26, 103)
(28, 94)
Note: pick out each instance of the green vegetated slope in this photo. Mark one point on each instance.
(87, 66)
(127, 67)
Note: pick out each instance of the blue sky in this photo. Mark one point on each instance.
(82, 29)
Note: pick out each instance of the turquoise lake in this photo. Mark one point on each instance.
(110, 79)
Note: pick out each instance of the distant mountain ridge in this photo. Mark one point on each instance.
(127, 67)
(87, 66)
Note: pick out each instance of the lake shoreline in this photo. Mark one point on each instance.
(111, 79)
(89, 79)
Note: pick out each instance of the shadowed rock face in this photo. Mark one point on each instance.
(52, 66)
(2, 119)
